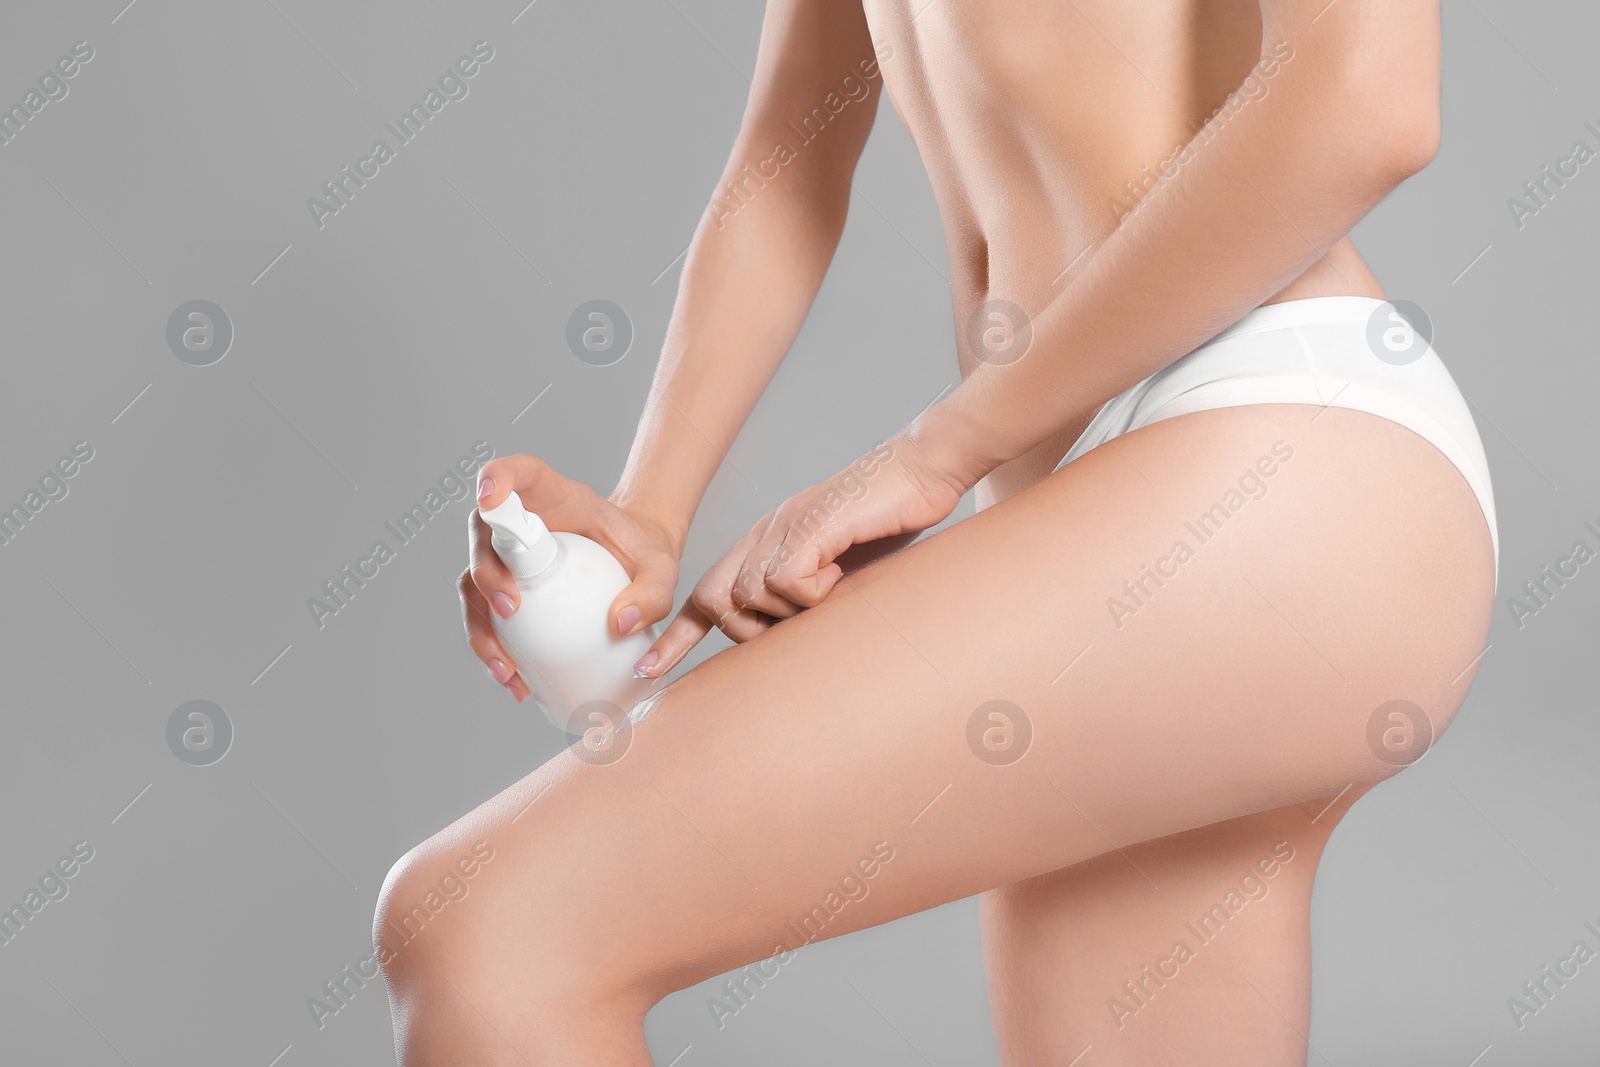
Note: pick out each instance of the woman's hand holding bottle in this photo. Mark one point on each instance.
(645, 548)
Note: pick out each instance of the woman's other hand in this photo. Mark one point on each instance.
(798, 552)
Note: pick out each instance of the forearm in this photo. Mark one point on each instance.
(1261, 197)
(759, 254)
(748, 283)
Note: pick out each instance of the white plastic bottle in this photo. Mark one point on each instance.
(560, 636)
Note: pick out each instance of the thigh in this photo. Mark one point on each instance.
(1193, 948)
(853, 765)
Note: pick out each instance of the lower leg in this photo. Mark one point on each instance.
(1193, 948)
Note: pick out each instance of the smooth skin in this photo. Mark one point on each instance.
(1174, 753)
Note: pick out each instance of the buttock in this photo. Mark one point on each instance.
(1334, 351)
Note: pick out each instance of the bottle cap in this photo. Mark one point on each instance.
(519, 537)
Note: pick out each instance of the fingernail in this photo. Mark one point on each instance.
(501, 672)
(512, 690)
(485, 487)
(646, 661)
(627, 619)
(503, 606)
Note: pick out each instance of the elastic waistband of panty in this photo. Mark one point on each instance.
(1304, 312)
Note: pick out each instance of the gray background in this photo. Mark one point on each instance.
(426, 316)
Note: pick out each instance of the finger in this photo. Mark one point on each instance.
(561, 503)
(530, 477)
(710, 605)
(772, 557)
(857, 556)
(747, 585)
(648, 598)
(502, 666)
(811, 589)
(801, 571)
(738, 623)
(742, 572)
(805, 581)
(493, 581)
(682, 634)
(764, 601)
(751, 593)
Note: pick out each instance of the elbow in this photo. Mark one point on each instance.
(1409, 138)
(1378, 143)
(1377, 70)
(1391, 113)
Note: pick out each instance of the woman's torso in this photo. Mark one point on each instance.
(1041, 123)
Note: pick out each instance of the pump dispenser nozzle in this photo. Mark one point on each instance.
(519, 537)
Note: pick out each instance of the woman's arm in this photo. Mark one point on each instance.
(759, 254)
(1261, 198)
(753, 269)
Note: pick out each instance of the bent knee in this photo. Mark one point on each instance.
(501, 913)
(426, 914)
